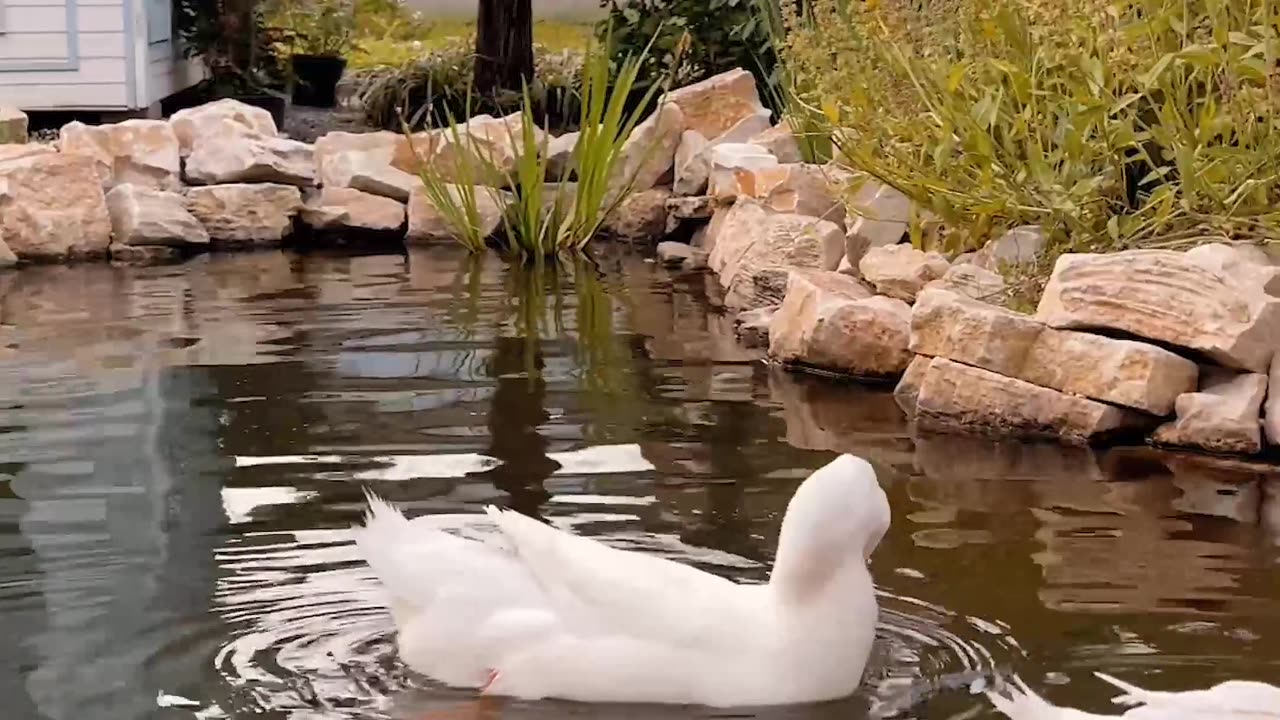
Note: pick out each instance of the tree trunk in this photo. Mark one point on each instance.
(504, 45)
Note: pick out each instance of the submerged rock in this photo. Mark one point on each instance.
(339, 208)
(1223, 416)
(194, 123)
(753, 326)
(1169, 297)
(143, 216)
(240, 214)
(908, 388)
(52, 208)
(674, 254)
(134, 152)
(957, 397)
(830, 321)
(901, 271)
(143, 254)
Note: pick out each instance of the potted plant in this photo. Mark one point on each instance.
(229, 38)
(319, 34)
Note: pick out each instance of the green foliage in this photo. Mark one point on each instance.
(543, 219)
(692, 39)
(1112, 123)
(437, 85)
(314, 27)
(233, 42)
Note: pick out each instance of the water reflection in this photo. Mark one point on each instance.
(182, 449)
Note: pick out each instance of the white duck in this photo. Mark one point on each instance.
(1233, 700)
(542, 613)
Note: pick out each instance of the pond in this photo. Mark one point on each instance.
(183, 448)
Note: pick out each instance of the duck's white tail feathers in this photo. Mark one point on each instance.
(1019, 702)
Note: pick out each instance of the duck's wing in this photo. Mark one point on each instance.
(1232, 699)
(633, 594)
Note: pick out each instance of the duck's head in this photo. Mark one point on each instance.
(837, 517)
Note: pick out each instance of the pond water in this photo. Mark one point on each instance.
(183, 448)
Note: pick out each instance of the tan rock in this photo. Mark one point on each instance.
(650, 152)
(829, 321)
(879, 215)
(1224, 416)
(226, 153)
(1121, 372)
(13, 125)
(1168, 297)
(954, 396)
(339, 154)
(144, 216)
(7, 257)
(972, 281)
(1020, 247)
(191, 124)
(52, 208)
(339, 208)
(134, 152)
(716, 104)
(640, 217)
(908, 388)
(481, 151)
(1271, 419)
(560, 165)
(694, 161)
(674, 254)
(243, 214)
(756, 249)
(427, 224)
(752, 326)
(780, 142)
(731, 170)
(699, 207)
(17, 152)
(143, 254)
(801, 188)
(1238, 261)
(385, 181)
(901, 271)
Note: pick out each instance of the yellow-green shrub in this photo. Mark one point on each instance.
(1112, 123)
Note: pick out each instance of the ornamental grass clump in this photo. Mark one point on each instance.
(1113, 124)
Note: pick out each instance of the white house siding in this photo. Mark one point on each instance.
(41, 70)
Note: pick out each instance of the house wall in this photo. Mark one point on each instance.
(64, 54)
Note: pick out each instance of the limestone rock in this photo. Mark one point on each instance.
(755, 249)
(13, 125)
(385, 181)
(694, 161)
(829, 321)
(229, 154)
(954, 396)
(753, 326)
(700, 207)
(730, 169)
(193, 123)
(339, 208)
(560, 156)
(780, 142)
(716, 104)
(908, 388)
(427, 224)
(650, 152)
(901, 271)
(134, 152)
(880, 215)
(483, 150)
(143, 216)
(640, 217)
(340, 154)
(52, 208)
(1248, 262)
(1169, 297)
(1121, 372)
(242, 214)
(674, 254)
(1271, 421)
(801, 189)
(972, 281)
(143, 254)
(1020, 247)
(16, 152)
(1222, 417)
(7, 258)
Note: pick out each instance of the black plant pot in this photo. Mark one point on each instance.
(316, 79)
(200, 94)
(274, 104)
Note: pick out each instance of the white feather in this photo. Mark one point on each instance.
(1234, 700)
(558, 615)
